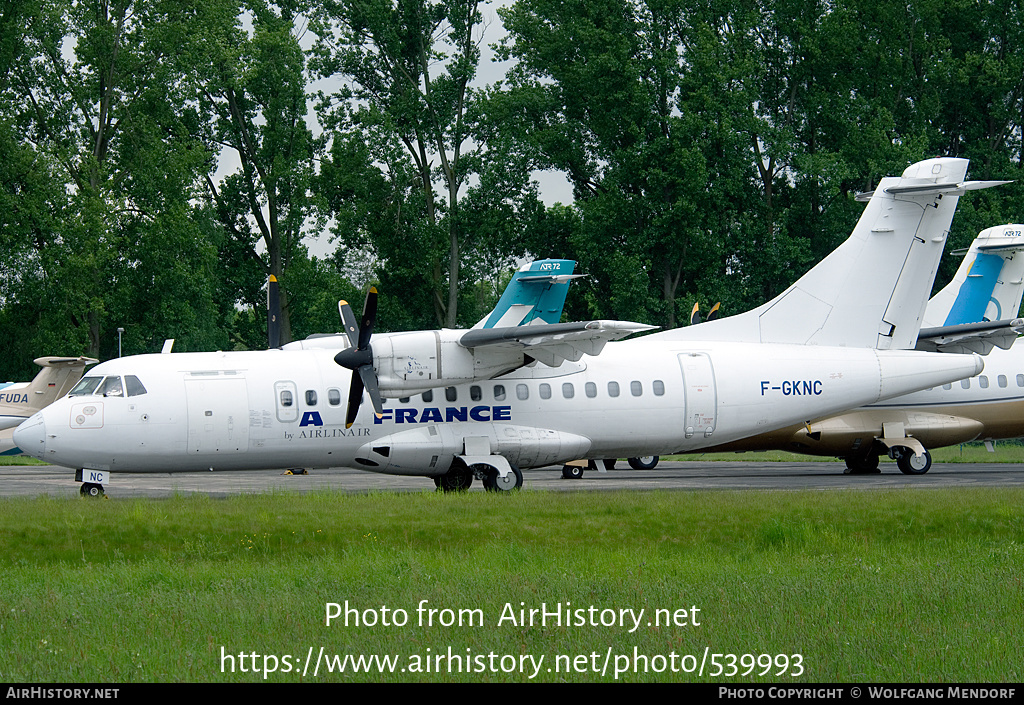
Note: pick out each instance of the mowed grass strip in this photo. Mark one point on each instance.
(865, 586)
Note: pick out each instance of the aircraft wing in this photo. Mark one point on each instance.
(971, 337)
(555, 342)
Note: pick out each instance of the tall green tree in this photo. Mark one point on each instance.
(408, 67)
(96, 91)
(253, 86)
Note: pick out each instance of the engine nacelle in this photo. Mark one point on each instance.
(413, 362)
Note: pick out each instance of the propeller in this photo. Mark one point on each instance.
(358, 357)
(712, 314)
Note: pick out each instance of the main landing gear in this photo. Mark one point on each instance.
(907, 461)
(911, 464)
(460, 478)
(575, 472)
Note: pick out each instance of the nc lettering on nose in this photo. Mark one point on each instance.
(793, 387)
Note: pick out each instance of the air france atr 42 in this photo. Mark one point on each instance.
(491, 401)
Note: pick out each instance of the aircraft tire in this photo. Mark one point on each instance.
(911, 464)
(91, 489)
(572, 472)
(511, 482)
(862, 465)
(646, 462)
(458, 479)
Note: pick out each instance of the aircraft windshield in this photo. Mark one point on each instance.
(86, 386)
(111, 386)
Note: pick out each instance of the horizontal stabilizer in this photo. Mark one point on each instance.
(971, 337)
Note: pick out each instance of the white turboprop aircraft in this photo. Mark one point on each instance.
(542, 402)
(973, 313)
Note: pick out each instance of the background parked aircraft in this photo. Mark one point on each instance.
(18, 401)
(987, 286)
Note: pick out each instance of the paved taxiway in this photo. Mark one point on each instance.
(33, 481)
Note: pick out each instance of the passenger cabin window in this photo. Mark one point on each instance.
(310, 397)
(983, 381)
(659, 388)
(286, 398)
(591, 389)
(568, 391)
(545, 391)
(428, 396)
(635, 388)
(965, 383)
(522, 392)
(334, 397)
(451, 393)
(1020, 380)
(613, 389)
(499, 392)
(475, 393)
(1002, 381)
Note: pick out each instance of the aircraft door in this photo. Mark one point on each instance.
(218, 415)
(701, 402)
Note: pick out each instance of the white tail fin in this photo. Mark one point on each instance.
(872, 290)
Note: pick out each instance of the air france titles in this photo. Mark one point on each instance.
(433, 414)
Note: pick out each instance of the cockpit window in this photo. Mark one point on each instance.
(86, 386)
(112, 387)
(133, 386)
(109, 386)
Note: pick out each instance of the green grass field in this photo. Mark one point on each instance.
(894, 586)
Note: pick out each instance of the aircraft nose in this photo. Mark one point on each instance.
(31, 436)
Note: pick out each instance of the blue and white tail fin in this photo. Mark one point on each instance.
(989, 284)
(873, 289)
(536, 294)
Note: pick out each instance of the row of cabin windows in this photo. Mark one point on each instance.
(333, 397)
(544, 390)
(983, 382)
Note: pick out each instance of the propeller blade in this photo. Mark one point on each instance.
(348, 320)
(715, 310)
(369, 379)
(695, 315)
(355, 396)
(369, 316)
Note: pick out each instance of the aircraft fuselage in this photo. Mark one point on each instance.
(286, 408)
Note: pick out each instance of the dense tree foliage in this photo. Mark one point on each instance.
(159, 159)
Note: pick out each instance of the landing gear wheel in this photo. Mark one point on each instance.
(646, 462)
(862, 465)
(572, 472)
(458, 479)
(911, 464)
(493, 482)
(91, 489)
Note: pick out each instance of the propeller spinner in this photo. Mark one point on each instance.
(358, 357)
